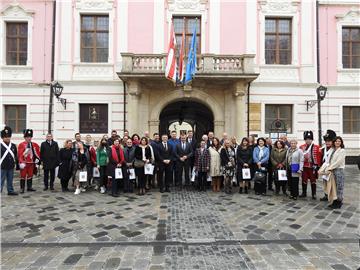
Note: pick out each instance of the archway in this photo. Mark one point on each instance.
(196, 114)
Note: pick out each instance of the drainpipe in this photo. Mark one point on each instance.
(248, 109)
(124, 86)
(318, 71)
(51, 94)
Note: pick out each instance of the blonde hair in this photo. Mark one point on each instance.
(66, 142)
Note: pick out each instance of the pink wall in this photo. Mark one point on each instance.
(140, 26)
(41, 39)
(328, 42)
(232, 27)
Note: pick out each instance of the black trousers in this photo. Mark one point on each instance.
(181, 166)
(281, 184)
(270, 178)
(46, 178)
(202, 179)
(294, 186)
(103, 176)
(167, 170)
(65, 182)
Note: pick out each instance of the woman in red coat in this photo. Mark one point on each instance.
(116, 161)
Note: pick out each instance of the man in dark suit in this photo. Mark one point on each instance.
(183, 153)
(49, 155)
(190, 139)
(164, 162)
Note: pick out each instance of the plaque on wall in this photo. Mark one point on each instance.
(93, 118)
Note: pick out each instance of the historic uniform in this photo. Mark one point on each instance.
(326, 153)
(29, 156)
(312, 161)
(8, 160)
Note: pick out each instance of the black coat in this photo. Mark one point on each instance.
(243, 156)
(49, 155)
(65, 159)
(180, 152)
(9, 162)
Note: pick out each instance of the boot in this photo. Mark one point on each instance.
(29, 185)
(333, 205)
(336, 204)
(304, 188)
(22, 185)
(313, 191)
(246, 190)
(240, 190)
(324, 199)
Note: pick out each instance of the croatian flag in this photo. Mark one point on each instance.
(191, 63)
(170, 69)
(181, 59)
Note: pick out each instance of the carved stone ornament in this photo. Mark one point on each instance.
(186, 4)
(16, 10)
(352, 17)
(279, 6)
(94, 4)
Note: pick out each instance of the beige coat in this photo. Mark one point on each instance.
(330, 185)
(215, 162)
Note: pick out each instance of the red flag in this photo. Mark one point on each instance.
(170, 69)
(181, 58)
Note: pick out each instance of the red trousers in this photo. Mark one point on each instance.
(308, 174)
(27, 172)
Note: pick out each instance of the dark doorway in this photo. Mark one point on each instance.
(199, 116)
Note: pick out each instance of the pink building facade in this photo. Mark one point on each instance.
(258, 63)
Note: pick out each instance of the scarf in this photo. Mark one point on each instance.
(290, 154)
(261, 152)
(115, 153)
(136, 142)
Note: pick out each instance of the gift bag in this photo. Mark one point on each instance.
(193, 175)
(132, 175)
(246, 173)
(282, 175)
(56, 171)
(83, 176)
(118, 173)
(209, 178)
(295, 167)
(149, 169)
(234, 179)
(96, 172)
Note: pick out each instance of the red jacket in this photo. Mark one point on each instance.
(92, 153)
(28, 156)
(313, 157)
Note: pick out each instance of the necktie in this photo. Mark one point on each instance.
(183, 146)
(165, 145)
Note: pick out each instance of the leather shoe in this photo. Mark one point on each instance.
(12, 193)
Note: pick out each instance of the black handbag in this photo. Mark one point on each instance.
(139, 163)
(259, 177)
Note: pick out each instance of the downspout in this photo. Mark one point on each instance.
(248, 109)
(124, 86)
(318, 71)
(51, 94)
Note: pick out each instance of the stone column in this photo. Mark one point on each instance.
(134, 91)
(154, 126)
(219, 127)
(240, 108)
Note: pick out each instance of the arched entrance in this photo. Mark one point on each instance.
(182, 112)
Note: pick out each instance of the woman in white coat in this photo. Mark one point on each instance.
(215, 165)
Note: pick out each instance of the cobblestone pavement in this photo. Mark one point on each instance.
(179, 230)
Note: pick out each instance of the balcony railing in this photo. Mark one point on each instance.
(206, 64)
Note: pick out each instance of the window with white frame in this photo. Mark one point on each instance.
(15, 117)
(278, 112)
(351, 119)
(351, 47)
(16, 43)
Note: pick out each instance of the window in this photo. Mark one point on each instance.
(15, 117)
(281, 112)
(278, 41)
(351, 47)
(93, 118)
(94, 38)
(351, 119)
(187, 23)
(16, 43)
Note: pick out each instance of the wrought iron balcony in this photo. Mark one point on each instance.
(208, 66)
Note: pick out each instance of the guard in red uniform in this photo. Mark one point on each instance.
(29, 156)
(312, 161)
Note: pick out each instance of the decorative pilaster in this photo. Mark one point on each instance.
(240, 108)
(134, 91)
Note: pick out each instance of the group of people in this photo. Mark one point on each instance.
(115, 163)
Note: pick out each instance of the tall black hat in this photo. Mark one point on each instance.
(308, 135)
(6, 132)
(28, 133)
(330, 135)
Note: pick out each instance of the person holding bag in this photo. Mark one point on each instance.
(215, 165)
(243, 160)
(228, 162)
(260, 158)
(143, 156)
(66, 165)
(202, 164)
(116, 161)
(294, 167)
(102, 160)
(278, 159)
(80, 161)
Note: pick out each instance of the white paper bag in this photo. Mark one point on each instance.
(246, 173)
(209, 178)
(193, 175)
(83, 176)
(234, 180)
(282, 175)
(96, 172)
(118, 173)
(149, 168)
(56, 171)
(325, 177)
(132, 175)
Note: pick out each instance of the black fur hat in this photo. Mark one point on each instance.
(308, 135)
(330, 135)
(28, 133)
(6, 132)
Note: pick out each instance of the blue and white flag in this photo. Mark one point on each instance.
(191, 63)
